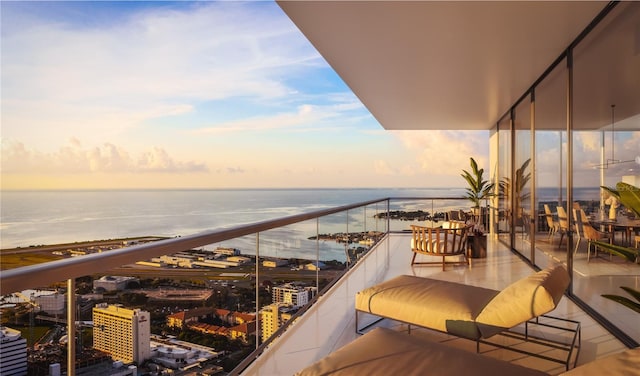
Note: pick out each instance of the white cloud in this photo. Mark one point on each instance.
(446, 152)
(589, 141)
(155, 63)
(73, 158)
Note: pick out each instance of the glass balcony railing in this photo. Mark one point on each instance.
(253, 281)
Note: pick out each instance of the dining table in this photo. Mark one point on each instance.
(627, 225)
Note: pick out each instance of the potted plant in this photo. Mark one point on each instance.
(478, 190)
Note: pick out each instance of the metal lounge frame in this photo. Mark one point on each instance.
(573, 344)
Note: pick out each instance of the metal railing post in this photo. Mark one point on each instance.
(71, 327)
(258, 331)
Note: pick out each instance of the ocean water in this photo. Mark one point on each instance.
(52, 217)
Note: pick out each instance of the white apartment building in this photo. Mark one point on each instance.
(123, 333)
(13, 352)
(293, 294)
(273, 316)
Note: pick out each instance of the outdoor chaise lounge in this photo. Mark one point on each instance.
(472, 312)
(386, 352)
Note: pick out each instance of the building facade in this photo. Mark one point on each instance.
(293, 294)
(273, 316)
(183, 318)
(123, 333)
(113, 283)
(13, 352)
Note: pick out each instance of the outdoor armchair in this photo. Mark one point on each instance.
(448, 240)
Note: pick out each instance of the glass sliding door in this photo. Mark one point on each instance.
(519, 185)
(503, 224)
(550, 167)
(607, 143)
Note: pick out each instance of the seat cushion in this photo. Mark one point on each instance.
(431, 303)
(453, 224)
(386, 352)
(523, 300)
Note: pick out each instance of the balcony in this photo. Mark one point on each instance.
(329, 323)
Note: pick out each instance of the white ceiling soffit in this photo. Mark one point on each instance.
(440, 65)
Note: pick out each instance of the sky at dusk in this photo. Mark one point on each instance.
(101, 95)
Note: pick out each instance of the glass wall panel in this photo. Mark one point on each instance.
(520, 185)
(504, 172)
(550, 166)
(607, 143)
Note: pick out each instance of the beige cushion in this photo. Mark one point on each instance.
(453, 224)
(523, 300)
(431, 303)
(467, 311)
(386, 352)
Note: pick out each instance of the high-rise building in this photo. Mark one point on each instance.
(123, 333)
(13, 352)
(293, 294)
(273, 316)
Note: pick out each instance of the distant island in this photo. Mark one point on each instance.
(416, 215)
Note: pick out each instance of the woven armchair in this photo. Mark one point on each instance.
(446, 241)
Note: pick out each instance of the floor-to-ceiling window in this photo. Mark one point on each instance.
(586, 134)
(503, 172)
(606, 142)
(519, 185)
(550, 166)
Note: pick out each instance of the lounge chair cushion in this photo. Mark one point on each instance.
(431, 303)
(386, 352)
(467, 311)
(523, 300)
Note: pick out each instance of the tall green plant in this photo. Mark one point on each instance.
(479, 189)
